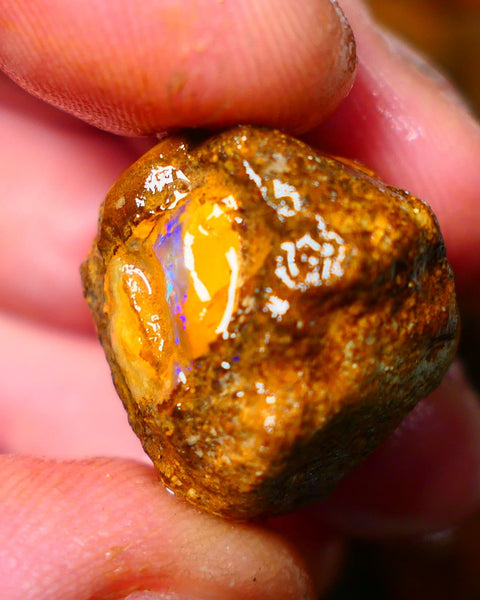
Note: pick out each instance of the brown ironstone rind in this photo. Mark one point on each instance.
(344, 318)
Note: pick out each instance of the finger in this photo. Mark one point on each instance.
(106, 529)
(426, 477)
(55, 172)
(57, 398)
(156, 65)
(403, 120)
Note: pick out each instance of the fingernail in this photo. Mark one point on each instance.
(340, 13)
(350, 55)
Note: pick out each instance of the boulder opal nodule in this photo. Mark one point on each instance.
(270, 314)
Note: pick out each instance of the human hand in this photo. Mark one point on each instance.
(97, 528)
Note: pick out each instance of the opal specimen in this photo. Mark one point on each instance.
(270, 314)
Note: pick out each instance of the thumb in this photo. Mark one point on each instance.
(138, 68)
(107, 528)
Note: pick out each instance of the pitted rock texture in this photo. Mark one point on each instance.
(270, 314)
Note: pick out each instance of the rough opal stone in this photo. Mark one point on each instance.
(269, 314)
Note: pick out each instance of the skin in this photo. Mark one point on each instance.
(77, 527)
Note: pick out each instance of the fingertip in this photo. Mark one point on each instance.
(123, 532)
(154, 66)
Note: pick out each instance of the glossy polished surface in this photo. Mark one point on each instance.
(269, 314)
